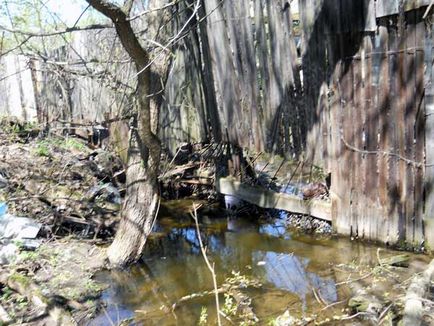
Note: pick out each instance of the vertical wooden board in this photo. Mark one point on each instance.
(370, 190)
(238, 129)
(370, 19)
(429, 142)
(240, 39)
(324, 113)
(401, 79)
(410, 108)
(223, 68)
(288, 69)
(382, 109)
(346, 222)
(208, 81)
(419, 135)
(274, 89)
(281, 57)
(261, 51)
(394, 199)
(335, 129)
(356, 130)
(251, 70)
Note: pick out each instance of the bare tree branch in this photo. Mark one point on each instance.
(168, 5)
(54, 33)
(128, 5)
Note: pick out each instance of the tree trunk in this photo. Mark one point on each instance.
(141, 198)
(141, 201)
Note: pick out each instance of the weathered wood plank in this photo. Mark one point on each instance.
(346, 224)
(389, 8)
(419, 136)
(394, 199)
(382, 109)
(357, 140)
(399, 117)
(221, 60)
(370, 191)
(429, 143)
(269, 199)
(336, 122)
(409, 111)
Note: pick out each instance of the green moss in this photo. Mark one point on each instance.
(21, 279)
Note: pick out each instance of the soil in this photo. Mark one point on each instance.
(74, 191)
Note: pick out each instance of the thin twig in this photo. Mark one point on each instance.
(406, 160)
(210, 267)
(355, 280)
(428, 9)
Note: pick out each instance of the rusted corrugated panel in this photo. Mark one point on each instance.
(391, 7)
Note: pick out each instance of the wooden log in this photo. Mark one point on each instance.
(413, 310)
(398, 260)
(269, 199)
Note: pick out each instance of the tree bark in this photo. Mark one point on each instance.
(141, 198)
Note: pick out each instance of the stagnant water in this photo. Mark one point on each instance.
(291, 266)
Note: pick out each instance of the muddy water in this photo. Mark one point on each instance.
(291, 267)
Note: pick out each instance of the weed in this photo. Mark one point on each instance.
(42, 150)
(29, 256)
(203, 320)
(6, 293)
(230, 306)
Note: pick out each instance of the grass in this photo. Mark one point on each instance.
(45, 147)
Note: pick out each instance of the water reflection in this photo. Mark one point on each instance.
(173, 267)
(287, 271)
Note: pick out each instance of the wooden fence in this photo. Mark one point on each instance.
(358, 99)
(359, 111)
(371, 115)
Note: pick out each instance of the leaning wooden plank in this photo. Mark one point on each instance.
(269, 199)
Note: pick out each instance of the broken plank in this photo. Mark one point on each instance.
(269, 199)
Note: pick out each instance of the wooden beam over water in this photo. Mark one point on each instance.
(270, 199)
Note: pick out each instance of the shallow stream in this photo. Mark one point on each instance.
(299, 273)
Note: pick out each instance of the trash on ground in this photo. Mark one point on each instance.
(13, 227)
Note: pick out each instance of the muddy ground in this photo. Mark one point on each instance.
(74, 192)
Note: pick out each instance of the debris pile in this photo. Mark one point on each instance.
(191, 172)
(61, 183)
(53, 190)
